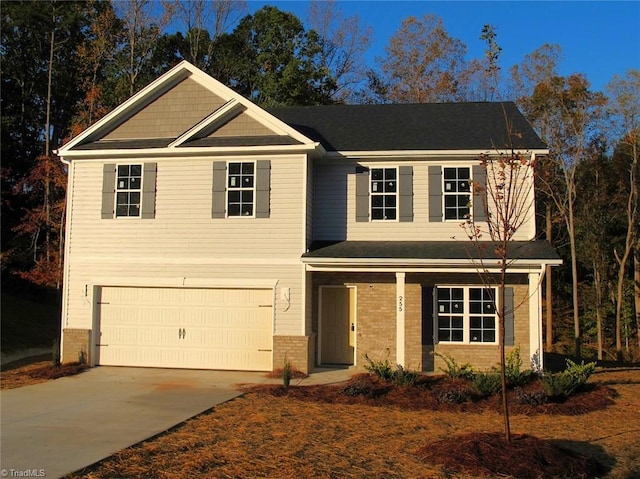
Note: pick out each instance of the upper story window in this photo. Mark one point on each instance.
(466, 315)
(241, 189)
(128, 190)
(384, 191)
(457, 193)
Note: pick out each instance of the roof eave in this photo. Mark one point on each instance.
(430, 153)
(186, 151)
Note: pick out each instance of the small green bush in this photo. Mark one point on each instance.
(382, 369)
(534, 398)
(398, 376)
(487, 384)
(453, 370)
(513, 369)
(559, 386)
(453, 396)
(404, 377)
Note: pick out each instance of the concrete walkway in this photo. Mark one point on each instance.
(61, 426)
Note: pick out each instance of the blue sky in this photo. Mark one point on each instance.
(598, 39)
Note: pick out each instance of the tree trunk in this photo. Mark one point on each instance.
(597, 280)
(636, 277)
(549, 287)
(574, 275)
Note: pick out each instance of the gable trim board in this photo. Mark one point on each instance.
(183, 246)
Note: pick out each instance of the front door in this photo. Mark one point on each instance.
(337, 324)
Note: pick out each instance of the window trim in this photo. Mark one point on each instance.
(466, 324)
(445, 193)
(139, 190)
(384, 194)
(253, 188)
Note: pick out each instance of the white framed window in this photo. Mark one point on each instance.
(466, 314)
(384, 194)
(457, 193)
(241, 189)
(128, 190)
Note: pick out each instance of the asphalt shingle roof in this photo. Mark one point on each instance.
(430, 250)
(426, 126)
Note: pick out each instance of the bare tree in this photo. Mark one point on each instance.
(565, 111)
(204, 21)
(345, 41)
(423, 62)
(143, 26)
(624, 105)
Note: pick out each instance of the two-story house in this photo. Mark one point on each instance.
(206, 232)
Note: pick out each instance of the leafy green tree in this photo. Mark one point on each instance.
(272, 60)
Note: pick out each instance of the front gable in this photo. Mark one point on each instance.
(185, 111)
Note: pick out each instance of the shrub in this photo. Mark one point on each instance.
(287, 371)
(404, 377)
(453, 396)
(513, 369)
(452, 370)
(533, 398)
(559, 386)
(487, 384)
(398, 376)
(382, 369)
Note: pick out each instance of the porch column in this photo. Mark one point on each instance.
(400, 305)
(535, 318)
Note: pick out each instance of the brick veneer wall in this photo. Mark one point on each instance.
(376, 319)
(299, 350)
(75, 345)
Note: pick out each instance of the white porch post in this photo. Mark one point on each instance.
(535, 318)
(400, 307)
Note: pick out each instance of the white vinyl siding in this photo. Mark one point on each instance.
(183, 242)
(335, 206)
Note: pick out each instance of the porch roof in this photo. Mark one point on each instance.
(429, 252)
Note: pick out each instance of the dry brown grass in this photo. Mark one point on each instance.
(264, 435)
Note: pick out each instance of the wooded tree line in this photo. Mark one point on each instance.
(65, 64)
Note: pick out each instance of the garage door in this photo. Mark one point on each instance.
(185, 328)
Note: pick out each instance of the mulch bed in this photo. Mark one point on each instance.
(439, 394)
(524, 457)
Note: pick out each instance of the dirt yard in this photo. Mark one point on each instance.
(268, 434)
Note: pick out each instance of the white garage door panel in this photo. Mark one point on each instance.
(186, 328)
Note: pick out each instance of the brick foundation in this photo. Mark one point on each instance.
(76, 345)
(299, 350)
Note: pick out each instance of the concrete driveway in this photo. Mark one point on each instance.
(61, 426)
(58, 427)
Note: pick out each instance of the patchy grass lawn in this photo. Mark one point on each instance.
(267, 433)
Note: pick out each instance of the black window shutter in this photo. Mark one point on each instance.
(263, 187)
(479, 197)
(405, 184)
(219, 207)
(148, 206)
(362, 194)
(509, 326)
(435, 193)
(108, 190)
